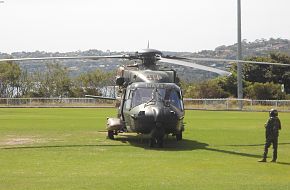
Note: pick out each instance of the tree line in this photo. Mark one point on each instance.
(262, 82)
(53, 82)
(259, 81)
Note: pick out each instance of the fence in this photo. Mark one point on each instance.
(55, 102)
(189, 103)
(237, 104)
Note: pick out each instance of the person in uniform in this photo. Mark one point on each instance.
(272, 127)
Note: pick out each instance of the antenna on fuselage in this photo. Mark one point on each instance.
(148, 45)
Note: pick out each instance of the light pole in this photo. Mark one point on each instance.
(239, 57)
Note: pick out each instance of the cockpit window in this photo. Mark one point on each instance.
(145, 95)
(173, 97)
(141, 95)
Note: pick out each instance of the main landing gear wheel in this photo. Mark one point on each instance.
(156, 140)
(160, 142)
(179, 136)
(111, 135)
(152, 141)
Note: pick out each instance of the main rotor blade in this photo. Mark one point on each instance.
(229, 61)
(194, 65)
(63, 58)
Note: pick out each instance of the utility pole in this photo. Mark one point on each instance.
(239, 57)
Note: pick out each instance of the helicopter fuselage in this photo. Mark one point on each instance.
(151, 103)
(147, 106)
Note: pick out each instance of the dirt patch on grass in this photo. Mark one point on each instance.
(10, 141)
(19, 141)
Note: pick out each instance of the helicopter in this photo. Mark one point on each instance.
(151, 100)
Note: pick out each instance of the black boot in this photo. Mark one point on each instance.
(264, 157)
(263, 160)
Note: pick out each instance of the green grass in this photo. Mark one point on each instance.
(62, 149)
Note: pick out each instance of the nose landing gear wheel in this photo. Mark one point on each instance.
(152, 141)
(156, 140)
(156, 136)
(111, 135)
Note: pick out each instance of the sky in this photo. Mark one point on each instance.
(127, 25)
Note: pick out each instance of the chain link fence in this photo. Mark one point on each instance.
(189, 103)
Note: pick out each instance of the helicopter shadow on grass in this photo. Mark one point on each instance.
(170, 144)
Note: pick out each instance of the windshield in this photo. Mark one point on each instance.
(146, 95)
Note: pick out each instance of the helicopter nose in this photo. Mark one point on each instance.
(156, 113)
(163, 115)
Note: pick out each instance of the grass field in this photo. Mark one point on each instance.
(64, 149)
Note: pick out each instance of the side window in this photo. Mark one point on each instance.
(128, 99)
(181, 104)
(175, 99)
(181, 100)
(136, 98)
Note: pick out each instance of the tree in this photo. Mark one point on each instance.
(9, 80)
(228, 84)
(211, 89)
(281, 74)
(269, 73)
(206, 89)
(92, 82)
(258, 73)
(55, 82)
(264, 91)
(26, 84)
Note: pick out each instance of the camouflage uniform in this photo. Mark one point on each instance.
(272, 126)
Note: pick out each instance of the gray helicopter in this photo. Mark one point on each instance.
(151, 100)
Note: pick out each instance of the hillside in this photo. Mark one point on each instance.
(260, 47)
